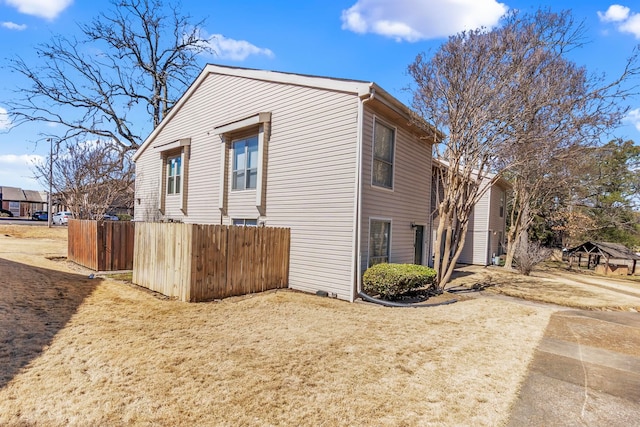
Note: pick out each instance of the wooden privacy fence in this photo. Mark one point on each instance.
(101, 245)
(196, 262)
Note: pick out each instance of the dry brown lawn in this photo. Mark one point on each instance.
(553, 284)
(82, 352)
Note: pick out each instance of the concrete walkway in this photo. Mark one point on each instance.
(585, 372)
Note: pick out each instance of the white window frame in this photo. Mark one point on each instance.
(374, 159)
(174, 180)
(245, 222)
(388, 256)
(245, 170)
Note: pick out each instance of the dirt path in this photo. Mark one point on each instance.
(618, 285)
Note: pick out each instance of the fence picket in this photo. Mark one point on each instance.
(204, 262)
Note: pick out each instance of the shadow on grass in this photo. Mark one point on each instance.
(457, 274)
(35, 303)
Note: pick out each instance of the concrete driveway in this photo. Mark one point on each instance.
(586, 369)
(585, 372)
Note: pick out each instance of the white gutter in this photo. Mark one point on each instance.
(358, 195)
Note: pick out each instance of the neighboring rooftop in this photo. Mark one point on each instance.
(16, 194)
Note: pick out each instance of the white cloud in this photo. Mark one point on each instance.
(17, 170)
(5, 122)
(414, 20)
(615, 13)
(631, 25)
(236, 50)
(48, 9)
(625, 21)
(14, 26)
(633, 118)
(21, 159)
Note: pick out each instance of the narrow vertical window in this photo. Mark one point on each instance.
(379, 237)
(174, 172)
(383, 147)
(245, 164)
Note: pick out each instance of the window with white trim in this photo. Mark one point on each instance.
(383, 148)
(245, 222)
(174, 173)
(379, 238)
(245, 164)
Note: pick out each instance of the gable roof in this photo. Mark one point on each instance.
(440, 163)
(609, 250)
(359, 88)
(35, 196)
(13, 194)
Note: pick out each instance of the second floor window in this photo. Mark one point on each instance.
(245, 164)
(383, 148)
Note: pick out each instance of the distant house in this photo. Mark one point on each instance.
(486, 232)
(337, 161)
(22, 202)
(605, 258)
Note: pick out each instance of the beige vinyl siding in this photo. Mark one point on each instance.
(484, 229)
(147, 188)
(497, 223)
(475, 248)
(310, 173)
(172, 206)
(471, 240)
(410, 199)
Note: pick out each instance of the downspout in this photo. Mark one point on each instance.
(358, 193)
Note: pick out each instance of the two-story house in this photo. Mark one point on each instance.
(339, 162)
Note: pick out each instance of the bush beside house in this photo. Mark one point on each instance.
(392, 280)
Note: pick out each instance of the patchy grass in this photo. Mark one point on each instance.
(101, 352)
(33, 232)
(83, 352)
(124, 277)
(554, 285)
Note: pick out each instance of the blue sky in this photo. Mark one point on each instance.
(373, 40)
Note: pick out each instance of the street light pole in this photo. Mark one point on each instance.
(49, 211)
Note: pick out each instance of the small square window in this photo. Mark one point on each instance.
(245, 222)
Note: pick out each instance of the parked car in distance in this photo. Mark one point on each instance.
(109, 217)
(4, 212)
(62, 217)
(37, 214)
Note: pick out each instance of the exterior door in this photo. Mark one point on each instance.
(419, 244)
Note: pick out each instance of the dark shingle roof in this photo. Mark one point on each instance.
(611, 250)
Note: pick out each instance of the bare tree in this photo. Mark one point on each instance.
(90, 178)
(562, 110)
(132, 62)
(530, 254)
(458, 92)
(498, 95)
